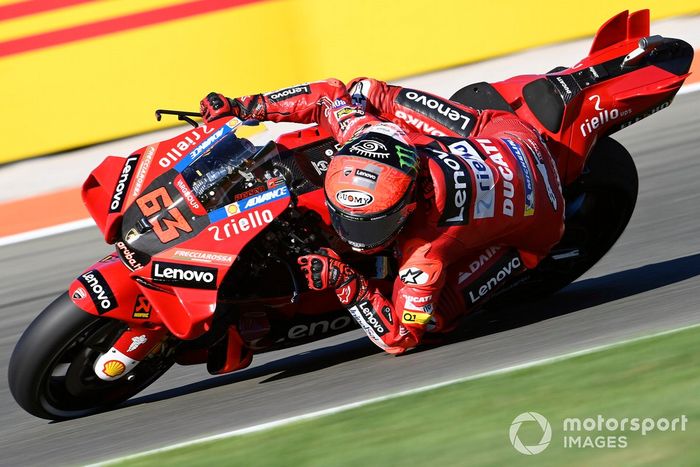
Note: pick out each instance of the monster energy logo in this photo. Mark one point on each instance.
(407, 158)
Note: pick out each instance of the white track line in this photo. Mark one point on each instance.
(46, 232)
(83, 223)
(688, 88)
(353, 405)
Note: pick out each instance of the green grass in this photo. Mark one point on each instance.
(468, 423)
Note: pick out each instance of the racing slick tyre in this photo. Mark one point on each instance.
(51, 369)
(599, 204)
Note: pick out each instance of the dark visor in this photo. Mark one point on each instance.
(367, 233)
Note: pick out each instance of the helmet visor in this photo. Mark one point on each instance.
(368, 233)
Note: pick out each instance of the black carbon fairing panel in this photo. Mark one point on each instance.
(481, 96)
(545, 102)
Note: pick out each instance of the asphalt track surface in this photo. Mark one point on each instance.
(650, 281)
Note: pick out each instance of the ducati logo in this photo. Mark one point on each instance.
(79, 294)
(131, 235)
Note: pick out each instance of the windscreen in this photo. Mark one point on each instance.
(219, 171)
(172, 208)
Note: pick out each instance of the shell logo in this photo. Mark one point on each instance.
(232, 209)
(113, 368)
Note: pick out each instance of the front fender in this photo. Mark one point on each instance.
(108, 289)
(186, 312)
(105, 289)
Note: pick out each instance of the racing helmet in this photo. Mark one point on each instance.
(370, 186)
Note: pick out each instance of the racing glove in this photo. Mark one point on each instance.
(325, 270)
(217, 106)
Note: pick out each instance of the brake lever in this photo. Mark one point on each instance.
(182, 115)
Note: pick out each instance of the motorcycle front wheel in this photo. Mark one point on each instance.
(51, 372)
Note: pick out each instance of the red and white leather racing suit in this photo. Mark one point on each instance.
(488, 208)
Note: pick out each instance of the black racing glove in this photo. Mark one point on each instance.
(326, 270)
(216, 106)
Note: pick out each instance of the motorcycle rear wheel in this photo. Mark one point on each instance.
(599, 204)
(51, 372)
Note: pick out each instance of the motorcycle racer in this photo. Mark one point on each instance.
(469, 198)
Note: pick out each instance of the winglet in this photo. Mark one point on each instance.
(613, 31)
(638, 24)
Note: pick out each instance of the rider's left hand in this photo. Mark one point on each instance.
(217, 106)
(325, 270)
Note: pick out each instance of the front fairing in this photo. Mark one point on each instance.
(184, 231)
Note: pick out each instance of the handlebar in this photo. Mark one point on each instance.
(182, 115)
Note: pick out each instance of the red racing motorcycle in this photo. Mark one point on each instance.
(207, 228)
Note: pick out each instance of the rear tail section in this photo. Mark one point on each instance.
(627, 75)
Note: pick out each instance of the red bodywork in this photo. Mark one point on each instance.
(186, 312)
(593, 111)
(630, 95)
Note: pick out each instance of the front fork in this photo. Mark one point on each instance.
(106, 289)
(135, 344)
(129, 349)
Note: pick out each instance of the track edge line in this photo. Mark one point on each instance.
(46, 231)
(345, 407)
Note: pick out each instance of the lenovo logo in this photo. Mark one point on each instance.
(494, 278)
(289, 93)
(458, 185)
(99, 291)
(123, 183)
(182, 275)
(444, 112)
